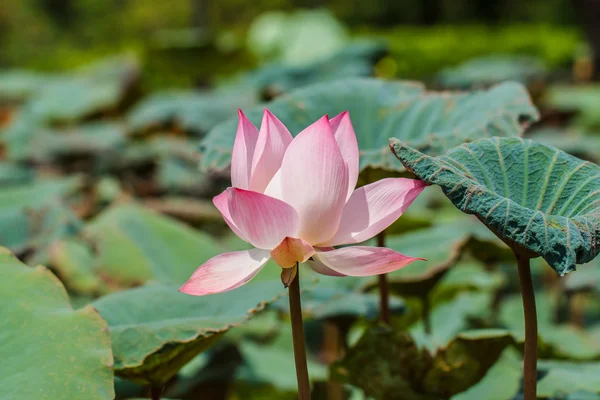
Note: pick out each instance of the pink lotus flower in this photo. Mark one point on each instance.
(294, 199)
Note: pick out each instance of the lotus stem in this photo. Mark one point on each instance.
(384, 294)
(298, 338)
(531, 330)
(426, 313)
(331, 353)
(156, 392)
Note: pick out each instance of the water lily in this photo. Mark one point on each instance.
(294, 200)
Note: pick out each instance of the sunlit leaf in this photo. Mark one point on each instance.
(584, 99)
(535, 196)
(298, 38)
(430, 121)
(155, 329)
(136, 244)
(577, 143)
(558, 340)
(30, 213)
(501, 382)
(568, 378)
(485, 71)
(193, 112)
(260, 359)
(49, 350)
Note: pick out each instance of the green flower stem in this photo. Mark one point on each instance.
(332, 344)
(156, 392)
(531, 330)
(384, 294)
(426, 313)
(298, 338)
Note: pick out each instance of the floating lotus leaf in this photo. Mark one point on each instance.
(583, 99)
(70, 99)
(298, 38)
(355, 60)
(563, 341)
(430, 121)
(135, 245)
(451, 240)
(333, 297)
(49, 350)
(501, 382)
(586, 279)
(155, 330)
(17, 85)
(94, 139)
(13, 174)
(260, 359)
(560, 378)
(529, 194)
(484, 71)
(450, 317)
(390, 365)
(31, 212)
(577, 143)
(192, 112)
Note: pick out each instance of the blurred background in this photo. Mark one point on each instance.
(104, 110)
(198, 42)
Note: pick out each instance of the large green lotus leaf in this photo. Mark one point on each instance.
(27, 212)
(260, 360)
(122, 68)
(73, 262)
(48, 350)
(355, 60)
(562, 378)
(190, 209)
(17, 85)
(484, 71)
(584, 99)
(194, 112)
(450, 317)
(390, 365)
(558, 340)
(176, 175)
(298, 38)
(90, 139)
(532, 195)
(69, 99)
(587, 278)
(575, 142)
(501, 382)
(136, 244)
(334, 297)
(468, 275)
(418, 279)
(155, 329)
(14, 174)
(430, 121)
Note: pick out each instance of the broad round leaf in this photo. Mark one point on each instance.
(561, 377)
(451, 240)
(430, 121)
(529, 194)
(136, 244)
(48, 350)
(578, 143)
(583, 99)
(28, 213)
(194, 112)
(483, 71)
(156, 330)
